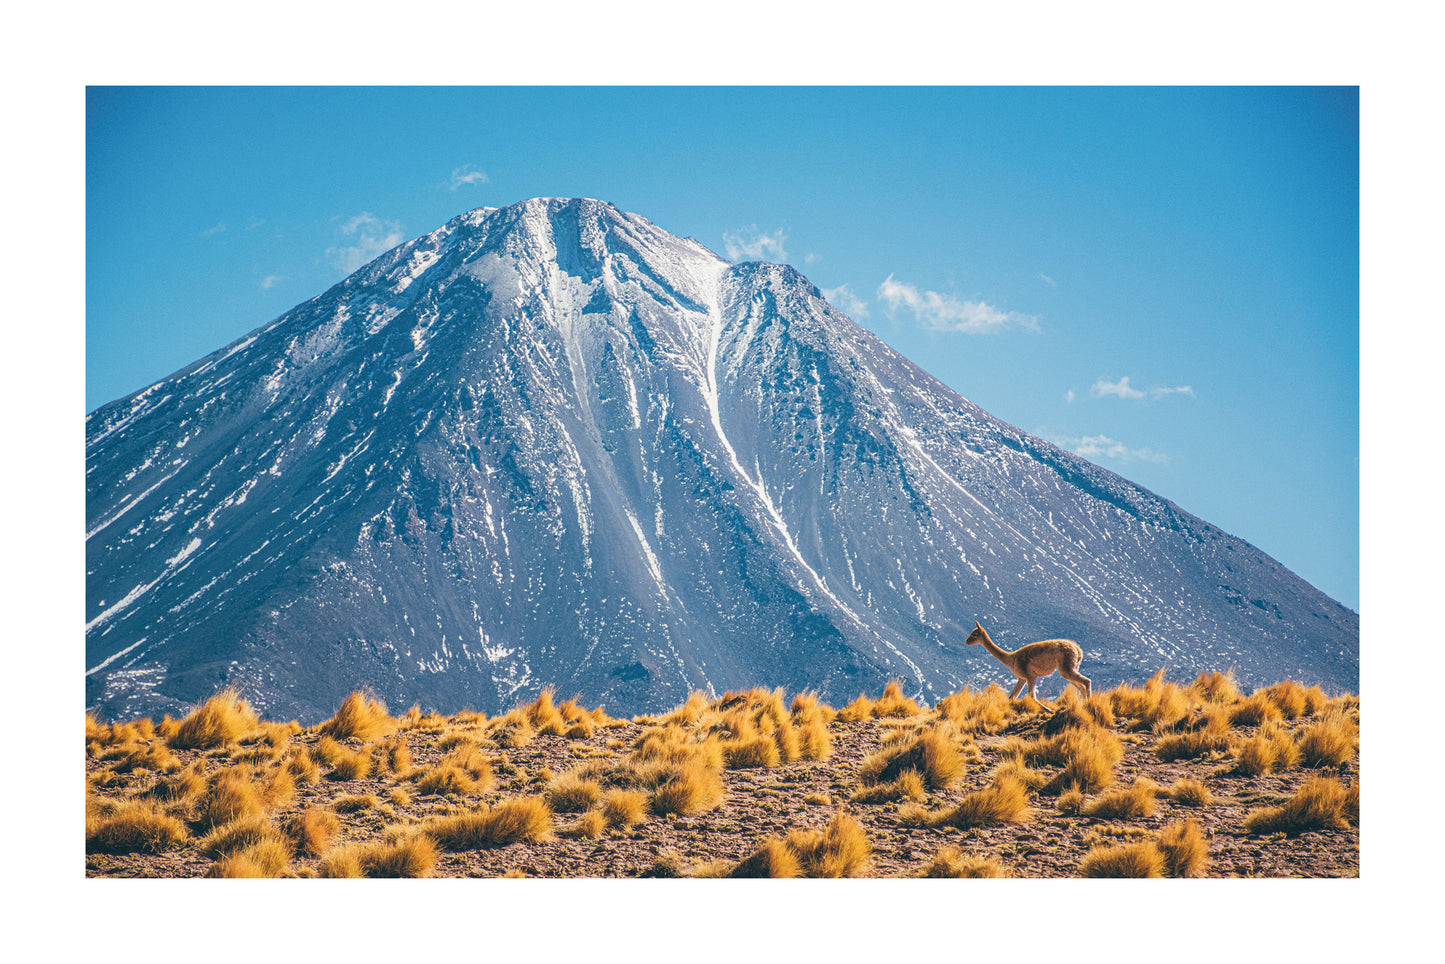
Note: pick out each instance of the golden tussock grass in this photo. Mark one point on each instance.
(1188, 792)
(1142, 859)
(1210, 740)
(1131, 804)
(814, 740)
(807, 708)
(985, 711)
(573, 793)
(544, 715)
(952, 862)
(589, 826)
(222, 719)
(355, 803)
(265, 858)
(1088, 757)
(240, 834)
(183, 787)
(744, 754)
(688, 787)
(1254, 710)
(350, 765)
(310, 830)
(930, 754)
(233, 795)
(1215, 687)
(1271, 749)
(410, 856)
(857, 711)
(841, 849)
(893, 703)
(772, 858)
(908, 785)
(516, 820)
(1005, 800)
(359, 717)
(392, 756)
(1321, 803)
(1184, 849)
(623, 809)
(133, 827)
(1332, 741)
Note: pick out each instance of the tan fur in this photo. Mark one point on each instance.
(1036, 660)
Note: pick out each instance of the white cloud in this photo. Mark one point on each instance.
(270, 281)
(843, 298)
(1047, 280)
(1121, 388)
(1102, 446)
(1069, 396)
(751, 244)
(467, 175)
(370, 237)
(947, 313)
(214, 230)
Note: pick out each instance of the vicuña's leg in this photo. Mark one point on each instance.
(1033, 681)
(1079, 680)
(1018, 689)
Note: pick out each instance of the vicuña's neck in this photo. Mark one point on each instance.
(997, 650)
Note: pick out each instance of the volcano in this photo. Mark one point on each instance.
(552, 444)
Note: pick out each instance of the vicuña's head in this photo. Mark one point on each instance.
(977, 636)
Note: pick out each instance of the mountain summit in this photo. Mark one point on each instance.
(552, 444)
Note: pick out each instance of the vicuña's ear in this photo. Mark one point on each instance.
(976, 625)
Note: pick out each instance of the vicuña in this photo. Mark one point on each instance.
(1036, 660)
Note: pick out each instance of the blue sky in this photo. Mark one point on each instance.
(1165, 280)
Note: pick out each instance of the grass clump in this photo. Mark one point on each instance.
(310, 830)
(1184, 850)
(841, 849)
(360, 717)
(573, 793)
(1141, 859)
(772, 858)
(1131, 804)
(1332, 741)
(687, 787)
(521, 819)
(623, 809)
(410, 856)
(269, 857)
(931, 755)
(746, 754)
(220, 720)
(1321, 803)
(952, 862)
(1269, 750)
(133, 828)
(1004, 801)
(1188, 792)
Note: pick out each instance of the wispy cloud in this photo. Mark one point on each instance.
(1104, 447)
(1122, 389)
(214, 230)
(843, 298)
(1069, 396)
(467, 175)
(367, 236)
(752, 244)
(946, 313)
(1047, 280)
(271, 281)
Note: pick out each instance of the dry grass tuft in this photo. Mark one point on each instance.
(411, 856)
(1254, 710)
(985, 711)
(1332, 741)
(907, 786)
(687, 787)
(841, 849)
(893, 703)
(1131, 804)
(1269, 750)
(133, 828)
(1184, 850)
(359, 717)
(232, 796)
(1142, 859)
(1188, 792)
(1003, 801)
(520, 819)
(857, 711)
(310, 830)
(930, 754)
(745, 754)
(222, 719)
(951, 862)
(1215, 688)
(573, 793)
(1321, 803)
(814, 740)
(772, 858)
(624, 808)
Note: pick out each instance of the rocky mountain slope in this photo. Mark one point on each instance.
(553, 444)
